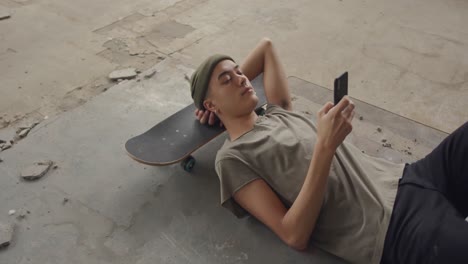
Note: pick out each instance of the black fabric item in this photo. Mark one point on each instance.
(428, 219)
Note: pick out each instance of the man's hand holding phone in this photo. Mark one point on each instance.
(334, 123)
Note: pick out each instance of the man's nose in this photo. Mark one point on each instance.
(241, 80)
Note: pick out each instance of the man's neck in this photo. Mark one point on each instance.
(238, 126)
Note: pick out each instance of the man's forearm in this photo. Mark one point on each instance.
(301, 217)
(264, 58)
(253, 64)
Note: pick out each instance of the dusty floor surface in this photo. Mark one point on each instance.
(98, 206)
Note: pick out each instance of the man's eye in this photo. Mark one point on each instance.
(225, 82)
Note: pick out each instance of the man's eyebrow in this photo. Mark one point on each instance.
(226, 72)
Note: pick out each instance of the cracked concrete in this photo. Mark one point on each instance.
(406, 58)
(390, 50)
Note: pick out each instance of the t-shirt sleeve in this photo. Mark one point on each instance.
(233, 175)
(273, 109)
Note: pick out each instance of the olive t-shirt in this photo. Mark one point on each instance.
(360, 190)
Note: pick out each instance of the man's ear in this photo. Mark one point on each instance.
(208, 104)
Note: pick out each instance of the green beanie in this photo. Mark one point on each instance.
(201, 78)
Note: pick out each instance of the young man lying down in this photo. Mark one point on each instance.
(305, 182)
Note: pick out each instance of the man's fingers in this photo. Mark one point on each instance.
(341, 105)
(325, 108)
(199, 115)
(204, 117)
(350, 108)
(212, 118)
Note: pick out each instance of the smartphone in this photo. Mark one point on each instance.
(340, 87)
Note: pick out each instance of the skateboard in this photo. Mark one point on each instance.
(175, 138)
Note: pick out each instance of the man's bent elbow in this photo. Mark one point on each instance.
(297, 244)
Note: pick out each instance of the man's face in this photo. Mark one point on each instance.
(230, 91)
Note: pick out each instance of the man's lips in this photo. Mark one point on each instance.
(246, 89)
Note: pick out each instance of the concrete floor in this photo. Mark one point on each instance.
(409, 58)
(120, 211)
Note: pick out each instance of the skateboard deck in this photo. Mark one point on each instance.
(175, 138)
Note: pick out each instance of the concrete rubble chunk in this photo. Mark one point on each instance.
(150, 74)
(386, 145)
(24, 132)
(2, 141)
(4, 13)
(6, 234)
(36, 171)
(128, 73)
(6, 145)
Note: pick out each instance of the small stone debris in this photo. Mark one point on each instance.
(361, 118)
(11, 212)
(1, 160)
(407, 152)
(415, 140)
(128, 73)
(24, 132)
(65, 200)
(187, 78)
(384, 140)
(55, 167)
(149, 75)
(5, 146)
(161, 57)
(6, 234)
(2, 141)
(36, 171)
(21, 214)
(387, 145)
(379, 130)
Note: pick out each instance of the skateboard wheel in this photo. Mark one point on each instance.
(188, 163)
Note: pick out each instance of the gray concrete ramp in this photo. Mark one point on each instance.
(100, 206)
